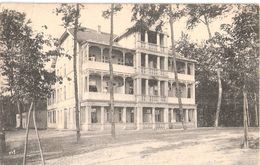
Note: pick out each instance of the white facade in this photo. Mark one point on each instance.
(144, 84)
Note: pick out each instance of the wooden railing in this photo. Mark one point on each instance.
(153, 47)
(153, 71)
(148, 98)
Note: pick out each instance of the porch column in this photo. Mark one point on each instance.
(158, 62)
(102, 118)
(195, 117)
(159, 88)
(158, 41)
(193, 91)
(186, 115)
(138, 86)
(153, 117)
(146, 87)
(124, 117)
(101, 83)
(146, 36)
(186, 86)
(172, 116)
(88, 118)
(139, 118)
(101, 53)
(146, 61)
(166, 118)
(123, 91)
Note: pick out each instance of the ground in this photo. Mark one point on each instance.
(202, 146)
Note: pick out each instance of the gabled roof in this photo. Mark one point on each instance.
(87, 34)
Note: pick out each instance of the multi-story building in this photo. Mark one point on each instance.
(144, 84)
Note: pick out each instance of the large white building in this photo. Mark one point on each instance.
(144, 83)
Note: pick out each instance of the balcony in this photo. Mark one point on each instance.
(152, 99)
(153, 71)
(152, 47)
(184, 77)
(174, 100)
(99, 96)
(94, 65)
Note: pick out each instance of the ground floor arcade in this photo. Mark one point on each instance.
(96, 117)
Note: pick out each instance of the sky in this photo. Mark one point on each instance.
(91, 17)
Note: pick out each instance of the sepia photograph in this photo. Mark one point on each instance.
(129, 83)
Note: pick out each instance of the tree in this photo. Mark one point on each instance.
(147, 15)
(70, 18)
(110, 12)
(14, 26)
(206, 13)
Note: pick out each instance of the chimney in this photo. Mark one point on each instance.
(99, 29)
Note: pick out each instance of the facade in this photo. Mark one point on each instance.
(144, 83)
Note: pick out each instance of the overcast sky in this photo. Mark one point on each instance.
(91, 17)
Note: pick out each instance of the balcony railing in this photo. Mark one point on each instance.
(153, 47)
(147, 98)
(153, 71)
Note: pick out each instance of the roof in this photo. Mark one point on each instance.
(87, 34)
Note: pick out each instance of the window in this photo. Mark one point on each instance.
(190, 115)
(157, 116)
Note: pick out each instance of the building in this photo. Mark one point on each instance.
(144, 83)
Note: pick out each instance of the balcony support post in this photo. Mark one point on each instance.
(102, 54)
(124, 85)
(153, 117)
(124, 117)
(146, 36)
(186, 115)
(123, 57)
(146, 87)
(195, 117)
(166, 118)
(102, 118)
(158, 62)
(166, 88)
(139, 118)
(186, 68)
(88, 74)
(101, 83)
(158, 41)
(159, 88)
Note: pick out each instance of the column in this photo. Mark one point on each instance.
(172, 116)
(124, 117)
(158, 62)
(138, 86)
(146, 36)
(153, 117)
(139, 118)
(165, 63)
(159, 88)
(138, 59)
(146, 61)
(158, 41)
(186, 115)
(193, 92)
(101, 83)
(146, 87)
(102, 118)
(195, 117)
(88, 118)
(166, 118)
(123, 91)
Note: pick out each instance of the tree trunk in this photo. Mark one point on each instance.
(256, 111)
(37, 135)
(207, 24)
(111, 82)
(27, 133)
(2, 132)
(245, 105)
(176, 75)
(75, 74)
(219, 98)
(21, 114)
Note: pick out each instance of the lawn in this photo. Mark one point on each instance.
(202, 146)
